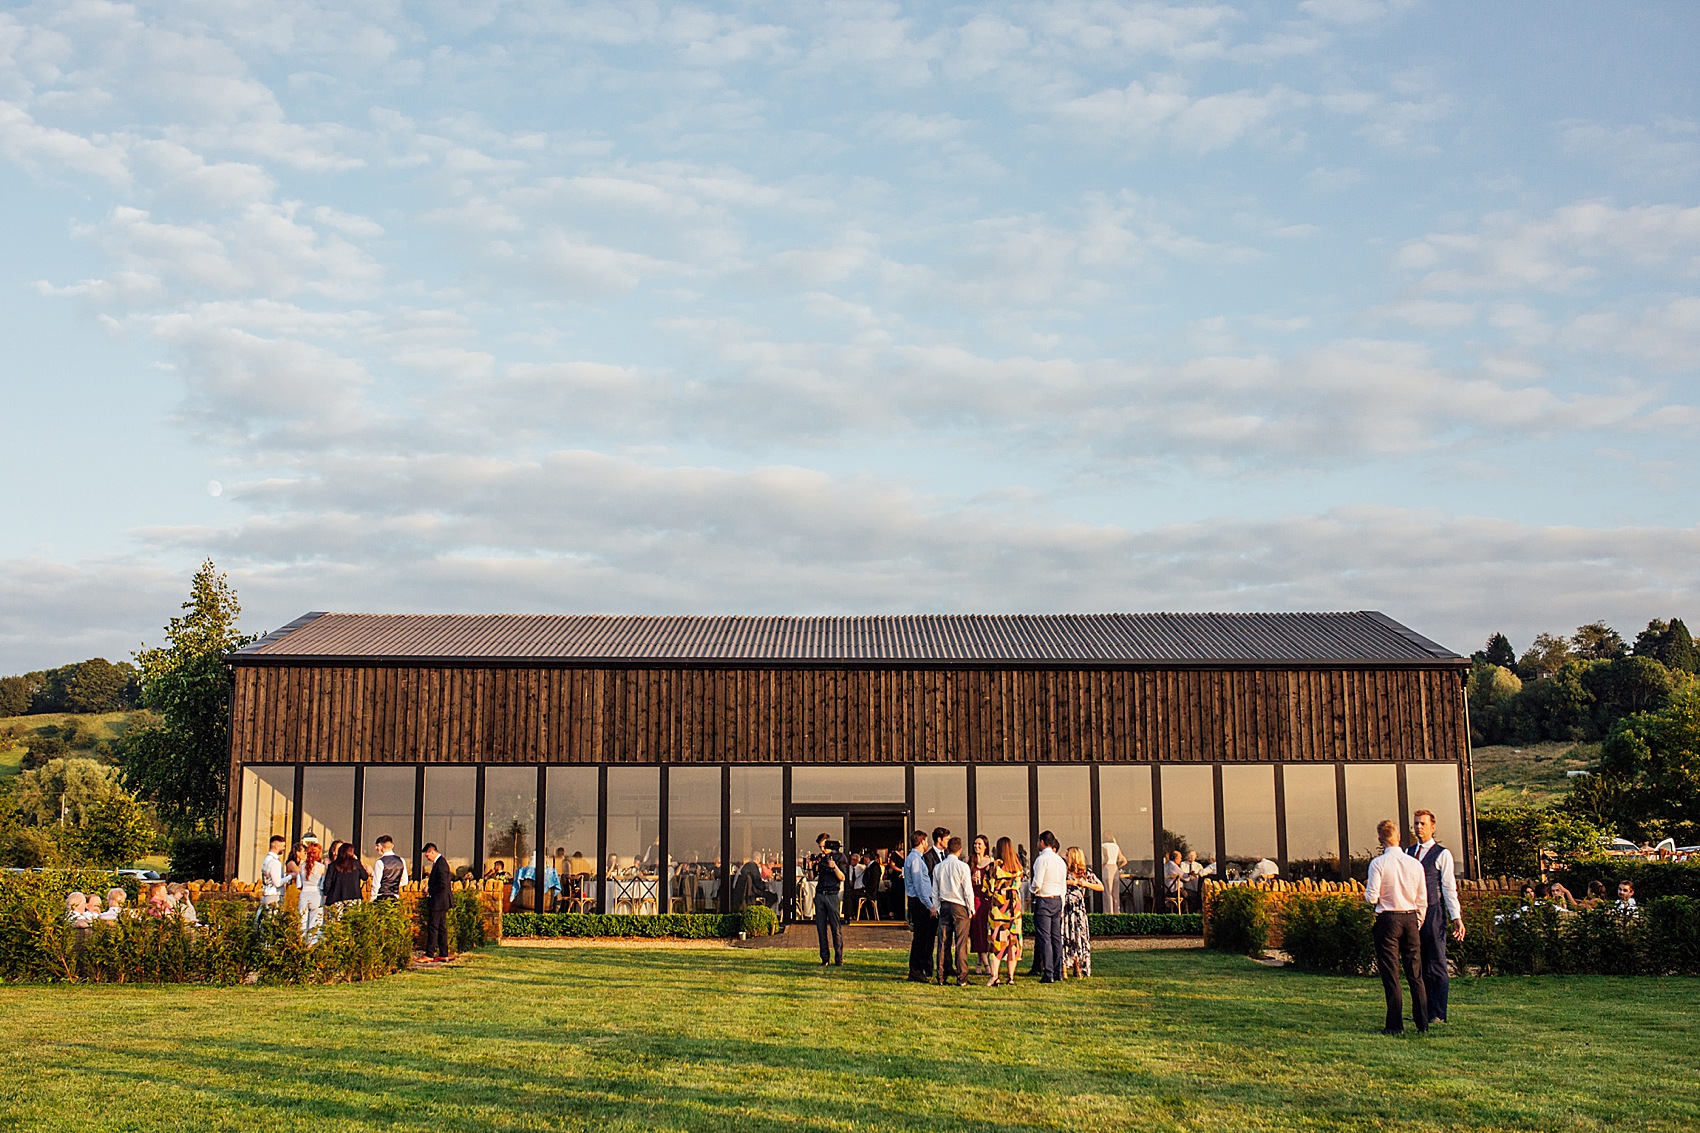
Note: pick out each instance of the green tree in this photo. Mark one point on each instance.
(1597, 641)
(67, 788)
(1498, 651)
(179, 761)
(1511, 839)
(1626, 686)
(1544, 658)
(115, 831)
(1669, 644)
(1490, 688)
(14, 696)
(95, 685)
(1647, 780)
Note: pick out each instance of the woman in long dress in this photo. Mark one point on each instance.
(1003, 894)
(1076, 930)
(979, 929)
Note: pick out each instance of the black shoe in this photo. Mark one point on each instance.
(1422, 1030)
(1046, 980)
(838, 963)
(914, 979)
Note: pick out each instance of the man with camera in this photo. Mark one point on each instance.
(831, 869)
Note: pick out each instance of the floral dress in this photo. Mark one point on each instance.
(1076, 933)
(1003, 894)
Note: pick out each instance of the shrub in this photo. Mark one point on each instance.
(687, 926)
(1652, 879)
(759, 920)
(1672, 936)
(1134, 924)
(1328, 932)
(196, 857)
(466, 921)
(1238, 920)
(1602, 941)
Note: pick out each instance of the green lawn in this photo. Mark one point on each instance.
(623, 1038)
(1527, 775)
(94, 728)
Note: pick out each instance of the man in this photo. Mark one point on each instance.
(1192, 878)
(830, 870)
(1626, 898)
(389, 872)
(953, 905)
(439, 895)
(1440, 887)
(1399, 895)
(918, 885)
(1050, 882)
(272, 879)
(1263, 869)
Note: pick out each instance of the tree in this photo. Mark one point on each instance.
(1647, 780)
(67, 788)
(180, 760)
(116, 830)
(1624, 687)
(1490, 688)
(1669, 644)
(1544, 658)
(14, 696)
(96, 685)
(1597, 641)
(1498, 651)
(1511, 840)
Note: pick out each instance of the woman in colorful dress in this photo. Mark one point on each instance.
(979, 931)
(1076, 930)
(1003, 894)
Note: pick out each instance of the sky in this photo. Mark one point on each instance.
(797, 308)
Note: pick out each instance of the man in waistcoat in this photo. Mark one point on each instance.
(1440, 876)
(389, 874)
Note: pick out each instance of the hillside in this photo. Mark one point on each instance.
(1527, 775)
(93, 730)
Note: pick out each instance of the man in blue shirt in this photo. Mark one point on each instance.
(918, 885)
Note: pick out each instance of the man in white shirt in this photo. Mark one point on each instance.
(1440, 884)
(953, 905)
(1396, 890)
(272, 880)
(389, 873)
(1263, 868)
(1050, 882)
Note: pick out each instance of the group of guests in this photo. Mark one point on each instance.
(161, 899)
(325, 881)
(1555, 894)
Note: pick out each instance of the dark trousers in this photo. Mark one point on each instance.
(829, 925)
(437, 932)
(1437, 979)
(1397, 945)
(1047, 926)
(925, 927)
(954, 920)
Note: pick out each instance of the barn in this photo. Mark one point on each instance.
(675, 763)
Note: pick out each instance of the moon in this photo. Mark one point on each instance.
(214, 488)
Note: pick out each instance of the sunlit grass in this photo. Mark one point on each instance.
(627, 1038)
(1527, 774)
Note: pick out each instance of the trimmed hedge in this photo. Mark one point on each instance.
(1328, 932)
(1505, 937)
(685, 926)
(465, 921)
(1652, 879)
(1134, 924)
(1239, 920)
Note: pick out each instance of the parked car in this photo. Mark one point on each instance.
(140, 874)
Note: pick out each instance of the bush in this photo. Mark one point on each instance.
(1238, 920)
(1672, 936)
(466, 921)
(1328, 932)
(759, 920)
(197, 857)
(687, 926)
(1134, 924)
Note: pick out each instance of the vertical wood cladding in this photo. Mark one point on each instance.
(407, 714)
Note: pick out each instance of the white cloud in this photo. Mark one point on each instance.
(48, 149)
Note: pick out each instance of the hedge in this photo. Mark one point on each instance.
(710, 926)
(1134, 924)
(1506, 937)
(1652, 879)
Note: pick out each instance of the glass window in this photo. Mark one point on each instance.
(1065, 807)
(327, 804)
(1434, 786)
(510, 817)
(1372, 794)
(451, 815)
(1189, 810)
(386, 807)
(1313, 821)
(268, 808)
(847, 785)
(1248, 815)
(634, 833)
(693, 839)
(758, 837)
(1124, 820)
(1000, 797)
(941, 799)
(569, 827)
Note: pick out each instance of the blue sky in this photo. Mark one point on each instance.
(801, 308)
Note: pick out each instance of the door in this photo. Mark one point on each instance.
(857, 827)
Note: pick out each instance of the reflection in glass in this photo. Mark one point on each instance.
(634, 832)
(1434, 786)
(1065, 807)
(693, 839)
(1313, 821)
(1000, 795)
(941, 799)
(1124, 820)
(847, 785)
(758, 837)
(1372, 794)
(1248, 815)
(1189, 810)
(451, 817)
(510, 814)
(386, 807)
(327, 804)
(569, 826)
(267, 808)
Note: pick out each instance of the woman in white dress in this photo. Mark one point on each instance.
(309, 881)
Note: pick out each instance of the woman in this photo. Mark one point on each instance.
(342, 882)
(156, 903)
(979, 931)
(311, 880)
(1003, 893)
(1076, 931)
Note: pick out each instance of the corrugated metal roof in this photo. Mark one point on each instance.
(1355, 637)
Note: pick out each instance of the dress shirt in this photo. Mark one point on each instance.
(1396, 884)
(1172, 874)
(918, 879)
(1448, 877)
(1050, 874)
(1264, 868)
(953, 881)
(272, 882)
(378, 875)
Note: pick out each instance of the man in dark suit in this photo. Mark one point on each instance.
(439, 895)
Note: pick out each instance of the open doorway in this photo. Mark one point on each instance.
(878, 840)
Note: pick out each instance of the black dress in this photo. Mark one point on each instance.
(341, 886)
